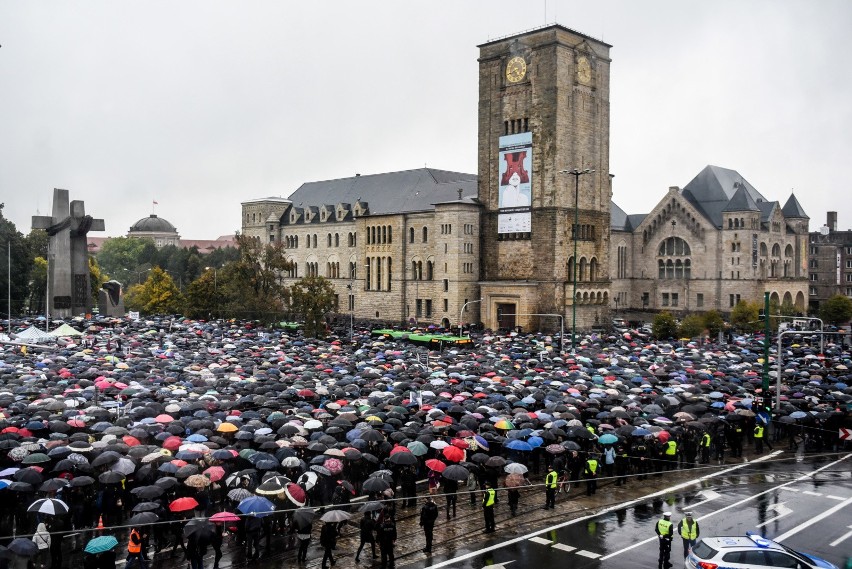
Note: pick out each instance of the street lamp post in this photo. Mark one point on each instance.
(576, 172)
(461, 312)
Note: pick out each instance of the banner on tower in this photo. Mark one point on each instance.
(515, 177)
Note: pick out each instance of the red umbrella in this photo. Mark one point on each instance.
(334, 465)
(399, 448)
(163, 418)
(172, 443)
(130, 441)
(436, 465)
(295, 493)
(453, 454)
(183, 505)
(461, 443)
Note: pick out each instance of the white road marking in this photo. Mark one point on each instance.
(563, 547)
(791, 489)
(498, 565)
(782, 511)
(664, 491)
(734, 505)
(541, 540)
(809, 493)
(814, 520)
(842, 538)
(589, 554)
(838, 498)
(708, 495)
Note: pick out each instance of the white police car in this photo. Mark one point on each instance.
(749, 552)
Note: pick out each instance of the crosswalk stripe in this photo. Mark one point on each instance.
(563, 547)
(541, 540)
(589, 554)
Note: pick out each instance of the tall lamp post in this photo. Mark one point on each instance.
(576, 172)
(461, 312)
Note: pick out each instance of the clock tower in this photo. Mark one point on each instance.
(544, 112)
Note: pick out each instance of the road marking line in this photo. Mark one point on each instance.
(612, 508)
(707, 495)
(832, 497)
(809, 493)
(563, 547)
(841, 538)
(813, 520)
(589, 554)
(734, 505)
(541, 540)
(791, 489)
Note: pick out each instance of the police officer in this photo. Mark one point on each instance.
(590, 473)
(760, 438)
(704, 445)
(688, 530)
(671, 454)
(489, 499)
(665, 534)
(551, 481)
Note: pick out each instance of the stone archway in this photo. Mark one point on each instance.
(788, 299)
(775, 298)
(800, 301)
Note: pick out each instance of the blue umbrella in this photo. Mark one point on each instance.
(256, 506)
(640, 432)
(519, 445)
(535, 442)
(101, 544)
(798, 415)
(609, 438)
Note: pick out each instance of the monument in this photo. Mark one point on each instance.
(110, 300)
(68, 284)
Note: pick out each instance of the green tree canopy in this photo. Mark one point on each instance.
(664, 326)
(744, 316)
(836, 310)
(692, 326)
(713, 322)
(313, 298)
(120, 258)
(157, 295)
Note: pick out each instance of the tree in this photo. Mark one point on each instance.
(744, 316)
(836, 310)
(252, 286)
(692, 326)
(120, 257)
(204, 298)
(15, 252)
(96, 279)
(714, 323)
(157, 295)
(664, 326)
(313, 298)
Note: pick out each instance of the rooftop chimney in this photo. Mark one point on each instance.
(831, 220)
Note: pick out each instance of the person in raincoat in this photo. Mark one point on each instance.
(328, 541)
(428, 516)
(42, 539)
(366, 528)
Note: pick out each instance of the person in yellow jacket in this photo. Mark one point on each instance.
(760, 438)
(489, 499)
(665, 534)
(590, 473)
(689, 532)
(551, 481)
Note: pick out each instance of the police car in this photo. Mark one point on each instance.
(749, 552)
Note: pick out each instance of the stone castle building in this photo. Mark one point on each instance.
(499, 247)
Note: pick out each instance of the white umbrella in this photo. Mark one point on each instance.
(49, 506)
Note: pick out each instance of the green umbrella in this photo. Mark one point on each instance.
(101, 544)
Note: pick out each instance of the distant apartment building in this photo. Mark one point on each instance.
(829, 262)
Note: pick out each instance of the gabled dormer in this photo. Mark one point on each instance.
(296, 215)
(343, 211)
(361, 208)
(326, 213)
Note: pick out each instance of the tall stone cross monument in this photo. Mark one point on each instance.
(68, 255)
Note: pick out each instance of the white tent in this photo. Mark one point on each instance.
(65, 330)
(34, 335)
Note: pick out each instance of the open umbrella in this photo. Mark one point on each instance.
(23, 546)
(256, 506)
(456, 472)
(200, 528)
(101, 544)
(295, 494)
(184, 504)
(49, 506)
(224, 517)
(336, 516)
(143, 518)
(515, 468)
(436, 465)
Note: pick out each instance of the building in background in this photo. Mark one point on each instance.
(163, 233)
(709, 245)
(830, 262)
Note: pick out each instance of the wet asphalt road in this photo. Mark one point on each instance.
(805, 500)
(807, 505)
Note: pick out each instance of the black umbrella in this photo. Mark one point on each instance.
(148, 492)
(81, 481)
(111, 477)
(402, 459)
(143, 518)
(375, 485)
(304, 517)
(23, 546)
(200, 528)
(455, 472)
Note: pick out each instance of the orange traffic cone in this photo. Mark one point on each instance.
(100, 522)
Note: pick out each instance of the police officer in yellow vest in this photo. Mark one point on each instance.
(489, 499)
(671, 454)
(590, 473)
(760, 438)
(688, 530)
(665, 534)
(551, 482)
(705, 448)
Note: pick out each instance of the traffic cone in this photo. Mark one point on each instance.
(100, 522)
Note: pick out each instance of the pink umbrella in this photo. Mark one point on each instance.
(334, 465)
(223, 517)
(163, 418)
(215, 473)
(295, 493)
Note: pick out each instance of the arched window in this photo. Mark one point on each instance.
(571, 268)
(411, 235)
(390, 234)
(669, 269)
(678, 269)
(390, 272)
(425, 234)
(430, 270)
(593, 269)
(582, 275)
(675, 266)
(337, 240)
(776, 250)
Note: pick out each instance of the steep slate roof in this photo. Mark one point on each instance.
(793, 209)
(741, 201)
(393, 192)
(713, 188)
(618, 219)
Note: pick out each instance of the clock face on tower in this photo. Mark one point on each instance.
(584, 71)
(516, 69)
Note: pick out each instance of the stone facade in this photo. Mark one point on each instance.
(830, 262)
(566, 109)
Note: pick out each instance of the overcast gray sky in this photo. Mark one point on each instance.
(200, 105)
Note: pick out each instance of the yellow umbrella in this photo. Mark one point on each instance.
(227, 427)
